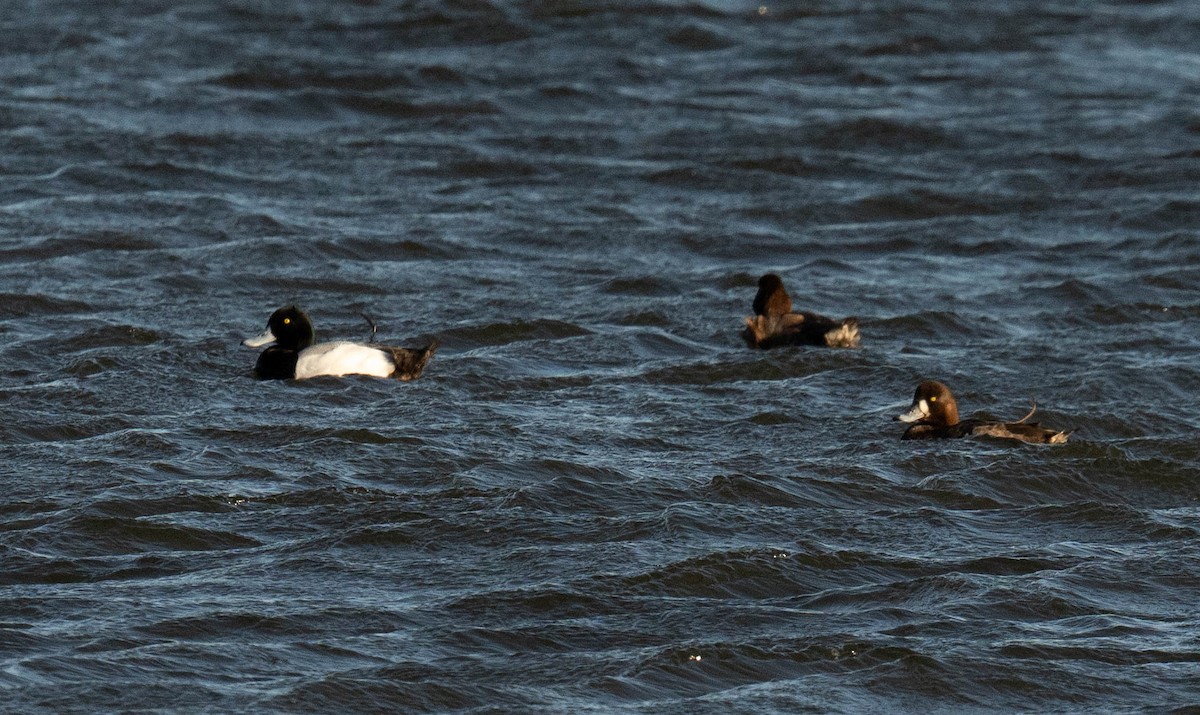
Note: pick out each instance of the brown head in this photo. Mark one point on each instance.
(932, 405)
(772, 299)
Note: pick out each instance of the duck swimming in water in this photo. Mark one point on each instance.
(774, 323)
(295, 354)
(934, 415)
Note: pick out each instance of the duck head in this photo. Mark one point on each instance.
(772, 299)
(932, 405)
(289, 328)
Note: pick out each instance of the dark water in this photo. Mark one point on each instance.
(597, 499)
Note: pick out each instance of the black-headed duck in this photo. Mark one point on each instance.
(774, 323)
(295, 354)
(934, 415)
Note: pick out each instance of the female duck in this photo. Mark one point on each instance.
(774, 323)
(934, 415)
(294, 354)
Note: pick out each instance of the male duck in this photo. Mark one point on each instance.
(294, 354)
(774, 324)
(934, 415)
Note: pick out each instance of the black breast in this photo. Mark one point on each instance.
(276, 363)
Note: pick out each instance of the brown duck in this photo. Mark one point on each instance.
(774, 323)
(934, 415)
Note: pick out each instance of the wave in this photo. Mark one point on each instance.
(503, 333)
(868, 132)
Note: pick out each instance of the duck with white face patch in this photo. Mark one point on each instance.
(934, 415)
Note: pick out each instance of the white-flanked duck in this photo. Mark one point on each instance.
(295, 353)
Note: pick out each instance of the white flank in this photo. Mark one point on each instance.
(341, 358)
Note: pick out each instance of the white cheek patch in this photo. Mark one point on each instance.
(919, 411)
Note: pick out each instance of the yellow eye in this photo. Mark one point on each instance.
(287, 321)
(931, 399)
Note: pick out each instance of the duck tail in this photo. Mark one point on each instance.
(843, 336)
(411, 362)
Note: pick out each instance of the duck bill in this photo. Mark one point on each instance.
(261, 340)
(918, 411)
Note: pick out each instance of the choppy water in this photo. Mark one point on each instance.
(597, 499)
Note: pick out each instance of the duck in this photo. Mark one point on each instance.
(296, 355)
(934, 415)
(774, 323)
